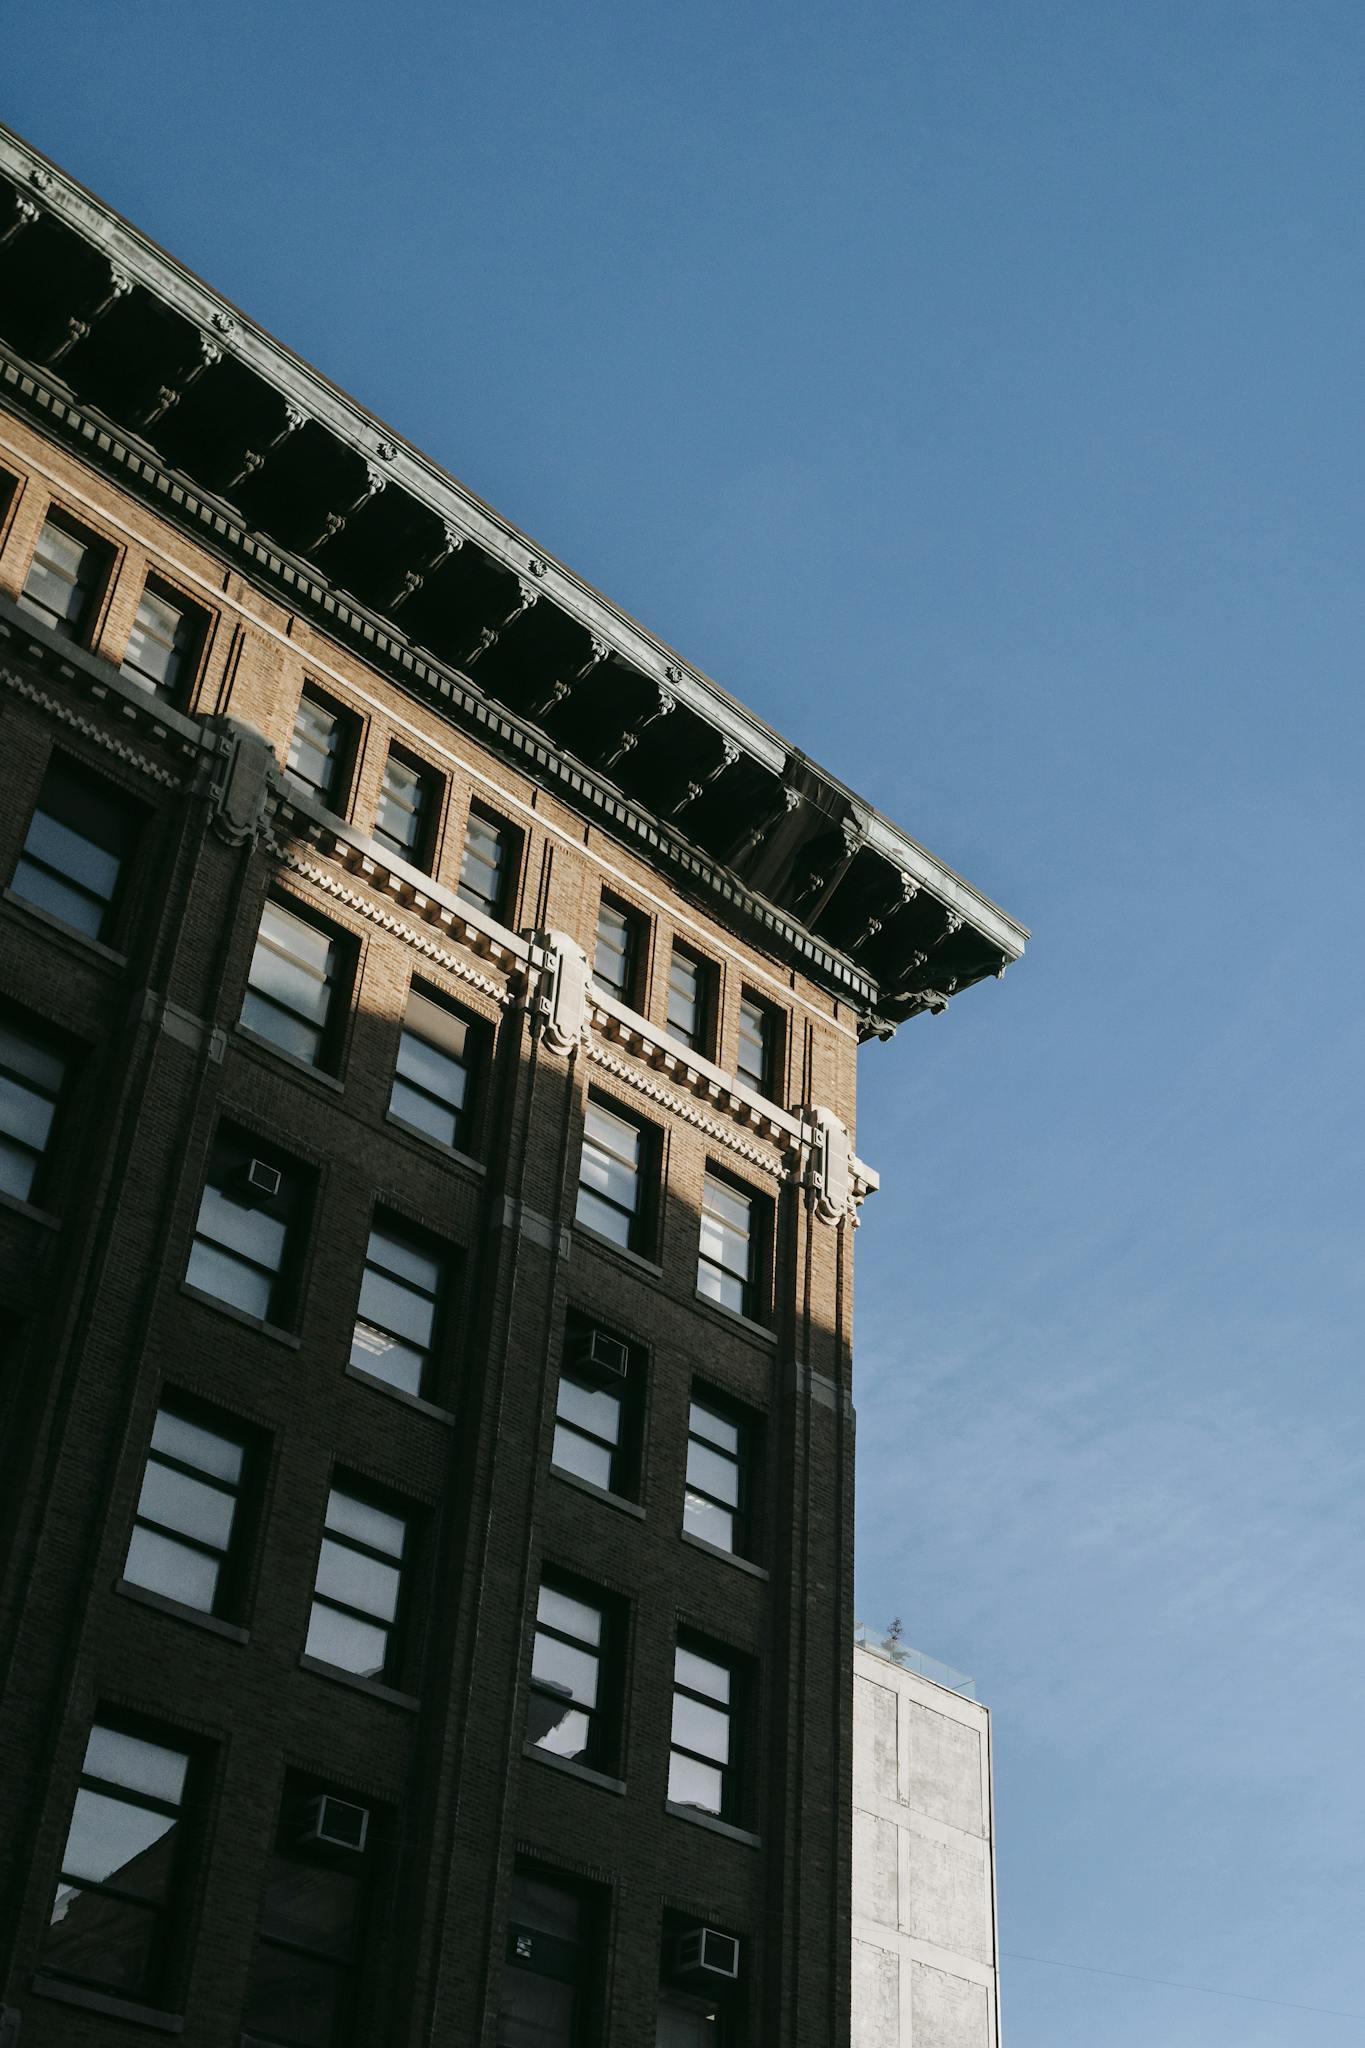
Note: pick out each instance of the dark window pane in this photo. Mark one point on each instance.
(161, 642)
(292, 984)
(100, 1939)
(686, 992)
(31, 1077)
(404, 804)
(614, 959)
(312, 1905)
(78, 839)
(294, 1999)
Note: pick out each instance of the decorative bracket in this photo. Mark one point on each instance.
(557, 990)
(243, 772)
(835, 1180)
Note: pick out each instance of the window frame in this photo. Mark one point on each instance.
(336, 798)
(421, 854)
(586, 1979)
(102, 555)
(639, 1220)
(299, 1789)
(772, 1040)
(602, 1749)
(622, 1452)
(358, 1491)
(57, 1047)
(162, 1965)
(636, 929)
(196, 622)
(730, 1415)
(234, 1555)
(753, 1284)
(395, 1228)
(509, 866)
(474, 1066)
(733, 1802)
(700, 1037)
(232, 1147)
(339, 984)
(136, 816)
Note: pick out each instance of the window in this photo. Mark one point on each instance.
(251, 1217)
(688, 998)
(64, 577)
(437, 1055)
(167, 634)
(701, 1970)
(486, 867)
(321, 749)
(760, 1041)
(116, 1889)
(359, 1577)
(566, 1714)
(549, 1977)
(187, 1513)
(399, 1298)
(726, 1262)
(701, 1765)
(304, 1972)
(296, 989)
(598, 1407)
(79, 840)
(31, 1078)
(609, 1177)
(714, 1504)
(408, 803)
(616, 962)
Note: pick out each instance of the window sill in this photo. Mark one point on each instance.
(371, 1687)
(634, 1260)
(709, 1821)
(239, 1315)
(595, 1492)
(741, 1564)
(43, 1217)
(450, 1153)
(732, 1319)
(371, 1379)
(583, 1772)
(63, 930)
(162, 1602)
(258, 1043)
(105, 2002)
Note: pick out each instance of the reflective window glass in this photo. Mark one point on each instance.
(399, 1295)
(358, 1585)
(107, 1922)
(294, 988)
(701, 1763)
(615, 958)
(303, 1982)
(758, 1034)
(609, 1194)
(79, 839)
(186, 1514)
(431, 1083)
(687, 998)
(64, 578)
(320, 748)
(244, 1234)
(486, 863)
(163, 642)
(31, 1078)
(725, 1264)
(407, 804)
(715, 1477)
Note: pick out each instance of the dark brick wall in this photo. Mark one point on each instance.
(95, 1323)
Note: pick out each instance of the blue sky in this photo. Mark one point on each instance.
(976, 390)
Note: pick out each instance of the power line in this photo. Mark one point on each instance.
(1169, 1984)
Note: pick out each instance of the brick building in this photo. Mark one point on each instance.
(428, 1017)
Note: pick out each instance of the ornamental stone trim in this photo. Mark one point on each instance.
(645, 1085)
(88, 728)
(410, 937)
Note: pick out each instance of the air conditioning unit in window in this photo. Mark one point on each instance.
(331, 1823)
(259, 1182)
(706, 1953)
(594, 1350)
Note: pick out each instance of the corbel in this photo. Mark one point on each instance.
(551, 699)
(789, 801)
(335, 522)
(489, 636)
(665, 702)
(256, 458)
(120, 284)
(171, 394)
(729, 756)
(413, 579)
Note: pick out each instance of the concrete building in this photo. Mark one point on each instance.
(925, 1955)
(428, 1020)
